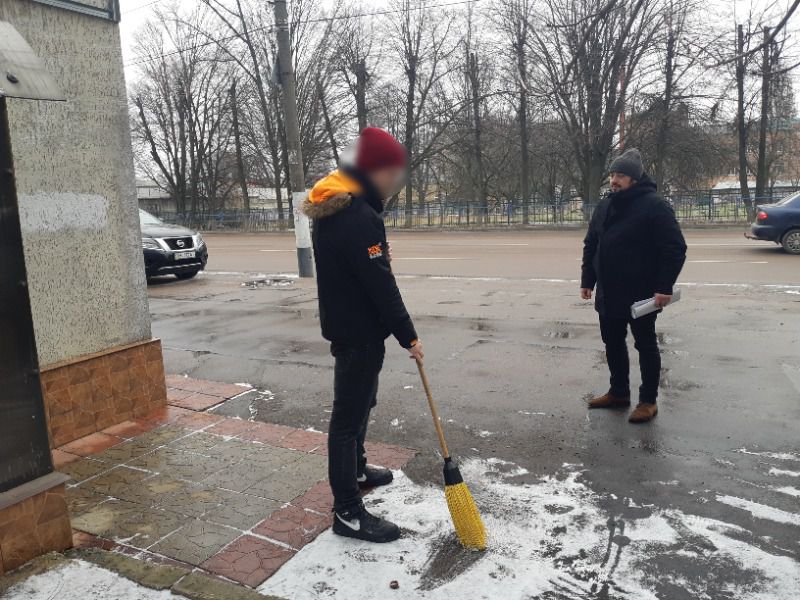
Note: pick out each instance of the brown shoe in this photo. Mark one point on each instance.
(643, 412)
(609, 401)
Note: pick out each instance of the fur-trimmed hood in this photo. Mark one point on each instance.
(331, 194)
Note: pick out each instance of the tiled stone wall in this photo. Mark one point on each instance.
(77, 196)
(96, 392)
(34, 526)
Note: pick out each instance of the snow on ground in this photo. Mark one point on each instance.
(79, 580)
(546, 540)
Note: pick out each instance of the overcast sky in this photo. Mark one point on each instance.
(136, 12)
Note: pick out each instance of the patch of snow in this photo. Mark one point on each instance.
(528, 413)
(395, 422)
(775, 455)
(778, 472)
(485, 434)
(245, 385)
(312, 430)
(760, 511)
(549, 539)
(789, 490)
(79, 580)
(408, 387)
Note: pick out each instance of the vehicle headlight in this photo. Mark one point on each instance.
(198, 240)
(150, 244)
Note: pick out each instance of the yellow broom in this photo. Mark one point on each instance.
(466, 518)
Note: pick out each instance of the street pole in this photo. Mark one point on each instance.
(302, 231)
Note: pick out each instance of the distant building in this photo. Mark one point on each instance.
(153, 198)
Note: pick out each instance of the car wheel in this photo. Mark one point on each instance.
(791, 241)
(187, 275)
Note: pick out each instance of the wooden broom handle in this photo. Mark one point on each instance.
(437, 423)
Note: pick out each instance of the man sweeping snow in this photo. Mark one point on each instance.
(359, 307)
(634, 250)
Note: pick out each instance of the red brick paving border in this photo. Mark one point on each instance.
(249, 560)
(294, 526)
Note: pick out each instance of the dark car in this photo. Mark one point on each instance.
(171, 249)
(779, 223)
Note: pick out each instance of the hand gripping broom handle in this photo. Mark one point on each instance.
(436, 421)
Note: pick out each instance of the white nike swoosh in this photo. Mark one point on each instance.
(355, 524)
(361, 479)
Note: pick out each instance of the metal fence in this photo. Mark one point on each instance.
(694, 207)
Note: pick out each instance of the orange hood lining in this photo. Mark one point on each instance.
(335, 184)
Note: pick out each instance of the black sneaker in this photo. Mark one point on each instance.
(359, 524)
(374, 477)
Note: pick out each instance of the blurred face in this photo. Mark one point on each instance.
(620, 182)
(388, 181)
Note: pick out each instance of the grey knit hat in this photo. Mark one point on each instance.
(628, 163)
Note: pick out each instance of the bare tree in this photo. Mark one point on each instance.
(588, 51)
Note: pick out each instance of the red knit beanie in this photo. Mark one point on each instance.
(378, 149)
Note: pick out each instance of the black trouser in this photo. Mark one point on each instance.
(355, 389)
(614, 332)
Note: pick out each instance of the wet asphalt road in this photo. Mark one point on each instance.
(513, 353)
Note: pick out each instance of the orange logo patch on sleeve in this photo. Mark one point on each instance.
(375, 251)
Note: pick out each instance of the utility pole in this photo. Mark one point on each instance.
(302, 231)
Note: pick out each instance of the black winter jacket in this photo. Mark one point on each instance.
(359, 302)
(634, 249)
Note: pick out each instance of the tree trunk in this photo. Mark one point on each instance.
(327, 119)
(238, 142)
(741, 126)
(666, 108)
(524, 158)
(480, 183)
(361, 94)
(409, 140)
(761, 170)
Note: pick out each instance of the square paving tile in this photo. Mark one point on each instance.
(234, 450)
(126, 451)
(80, 500)
(196, 542)
(198, 420)
(128, 522)
(249, 560)
(61, 458)
(318, 498)
(285, 485)
(271, 458)
(294, 526)
(193, 500)
(232, 427)
(162, 435)
(126, 429)
(305, 441)
(198, 441)
(238, 476)
(83, 469)
(242, 511)
(120, 482)
(267, 433)
(91, 444)
(196, 401)
(180, 465)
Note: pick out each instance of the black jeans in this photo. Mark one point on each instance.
(355, 389)
(614, 332)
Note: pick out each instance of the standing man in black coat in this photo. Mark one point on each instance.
(359, 307)
(634, 250)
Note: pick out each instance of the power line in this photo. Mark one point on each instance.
(134, 9)
(270, 28)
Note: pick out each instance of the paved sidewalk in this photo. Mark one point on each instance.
(184, 486)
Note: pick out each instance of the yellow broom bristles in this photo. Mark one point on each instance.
(466, 518)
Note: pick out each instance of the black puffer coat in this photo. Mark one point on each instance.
(634, 249)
